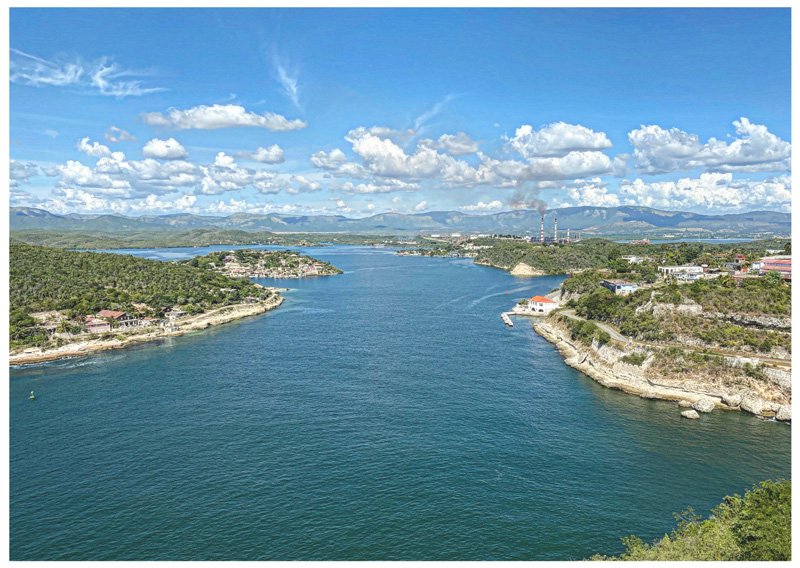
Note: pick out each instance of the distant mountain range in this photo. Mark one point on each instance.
(593, 221)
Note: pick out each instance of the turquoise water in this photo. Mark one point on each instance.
(386, 413)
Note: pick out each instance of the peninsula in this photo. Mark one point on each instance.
(67, 303)
(704, 339)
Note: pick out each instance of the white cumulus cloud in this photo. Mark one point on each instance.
(271, 155)
(94, 149)
(495, 205)
(458, 144)
(220, 116)
(169, 149)
(21, 173)
(657, 150)
(711, 191)
(556, 140)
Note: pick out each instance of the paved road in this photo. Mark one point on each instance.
(616, 335)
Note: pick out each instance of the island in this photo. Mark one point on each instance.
(250, 263)
(68, 303)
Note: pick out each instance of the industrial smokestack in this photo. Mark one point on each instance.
(567, 235)
(555, 231)
(541, 240)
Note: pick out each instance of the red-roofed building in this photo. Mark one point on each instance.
(782, 265)
(123, 319)
(540, 304)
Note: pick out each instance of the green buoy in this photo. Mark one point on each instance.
(32, 397)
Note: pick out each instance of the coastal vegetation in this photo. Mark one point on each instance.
(598, 254)
(585, 331)
(697, 310)
(70, 285)
(755, 527)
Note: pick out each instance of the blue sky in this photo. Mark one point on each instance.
(355, 112)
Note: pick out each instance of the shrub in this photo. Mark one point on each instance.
(634, 359)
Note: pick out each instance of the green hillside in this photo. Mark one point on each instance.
(756, 527)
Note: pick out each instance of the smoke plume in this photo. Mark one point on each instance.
(528, 200)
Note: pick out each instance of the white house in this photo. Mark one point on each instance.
(690, 268)
(540, 304)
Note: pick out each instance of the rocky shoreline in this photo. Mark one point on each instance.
(198, 322)
(702, 394)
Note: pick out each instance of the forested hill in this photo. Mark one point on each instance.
(193, 238)
(83, 283)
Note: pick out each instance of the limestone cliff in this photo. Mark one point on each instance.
(771, 398)
(522, 269)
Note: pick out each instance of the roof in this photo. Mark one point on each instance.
(110, 314)
(619, 282)
(542, 300)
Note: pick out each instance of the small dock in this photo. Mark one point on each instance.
(506, 319)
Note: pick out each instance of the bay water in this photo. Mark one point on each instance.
(382, 414)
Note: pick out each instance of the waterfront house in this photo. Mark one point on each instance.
(620, 287)
(175, 313)
(123, 319)
(94, 325)
(540, 304)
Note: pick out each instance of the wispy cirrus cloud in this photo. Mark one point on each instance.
(114, 134)
(429, 114)
(288, 77)
(100, 77)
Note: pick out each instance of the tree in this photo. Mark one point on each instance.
(773, 278)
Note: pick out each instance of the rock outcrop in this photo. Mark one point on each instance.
(691, 414)
(764, 322)
(784, 413)
(522, 269)
(752, 403)
(704, 405)
(732, 399)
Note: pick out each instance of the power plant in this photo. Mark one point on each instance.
(541, 240)
(554, 238)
